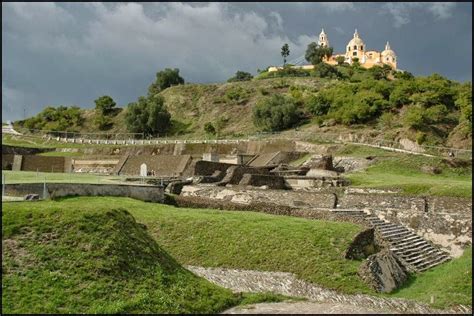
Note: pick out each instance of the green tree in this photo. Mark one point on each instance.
(148, 116)
(241, 76)
(323, 70)
(315, 53)
(340, 60)
(464, 104)
(104, 105)
(285, 52)
(165, 79)
(276, 113)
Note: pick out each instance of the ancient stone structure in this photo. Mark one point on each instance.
(146, 193)
(383, 271)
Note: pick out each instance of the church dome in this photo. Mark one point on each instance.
(356, 41)
(388, 51)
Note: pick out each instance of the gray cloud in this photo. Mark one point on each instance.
(72, 53)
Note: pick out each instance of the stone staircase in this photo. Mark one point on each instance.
(414, 252)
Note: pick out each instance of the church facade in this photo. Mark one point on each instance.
(356, 48)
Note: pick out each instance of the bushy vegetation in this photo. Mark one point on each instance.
(241, 76)
(276, 113)
(165, 79)
(61, 118)
(148, 115)
(104, 110)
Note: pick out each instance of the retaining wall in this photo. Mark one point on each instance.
(163, 165)
(247, 196)
(44, 163)
(145, 193)
(7, 161)
(445, 221)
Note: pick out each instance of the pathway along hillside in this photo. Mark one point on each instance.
(287, 284)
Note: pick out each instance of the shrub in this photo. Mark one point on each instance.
(323, 70)
(386, 120)
(317, 104)
(237, 94)
(209, 128)
(413, 117)
(420, 138)
(241, 76)
(276, 113)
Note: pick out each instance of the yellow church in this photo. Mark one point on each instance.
(355, 48)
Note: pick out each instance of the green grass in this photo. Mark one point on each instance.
(85, 260)
(447, 283)
(311, 249)
(396, 170)
(247, 240)
(35, 177)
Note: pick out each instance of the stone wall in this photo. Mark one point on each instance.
(445, 221)
(163, 165)
(381, 201)
(207, 168)
(7, 161)
(43, 163)
(246, 196)
(145, 193)
(269, 181)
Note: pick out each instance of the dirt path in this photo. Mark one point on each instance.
(287, 284)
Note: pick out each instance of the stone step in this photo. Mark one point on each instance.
(396, 234)
(432, 262)
(424, 255)
(380, 226)
(392, 230)
(424, 268)
(411, 249)
(403, 240)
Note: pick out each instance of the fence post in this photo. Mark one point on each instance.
(3, 185)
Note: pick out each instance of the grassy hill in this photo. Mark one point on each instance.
(60, 258)
(429, 110)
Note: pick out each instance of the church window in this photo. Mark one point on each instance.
(355, 46)
(354, 53)
(387, 59)
(348, 48)
(361, 47)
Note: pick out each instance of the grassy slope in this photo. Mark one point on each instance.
(96, 261)
(396, 170)
(311, 249)
(447, 283)
(247, 240)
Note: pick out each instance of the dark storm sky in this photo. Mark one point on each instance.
(72, 53)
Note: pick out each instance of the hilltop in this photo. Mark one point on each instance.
(389, 105)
